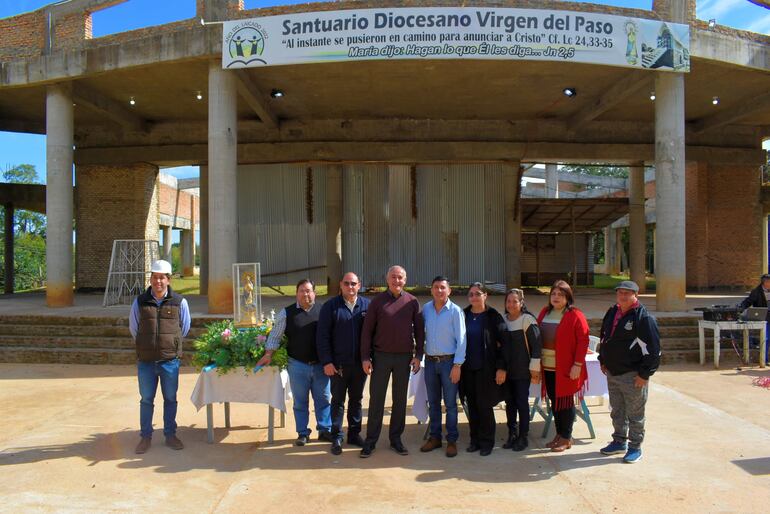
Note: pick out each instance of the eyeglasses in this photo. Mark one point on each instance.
(349, 283)
(477, 293)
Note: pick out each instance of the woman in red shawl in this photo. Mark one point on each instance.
(564, 332)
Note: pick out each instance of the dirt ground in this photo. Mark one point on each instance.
(69, 432)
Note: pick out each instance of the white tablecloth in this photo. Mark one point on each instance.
(268, 385)
(597, 386)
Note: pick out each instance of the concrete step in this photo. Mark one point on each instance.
(22, 354)
(75, 342)
(726, 358)
(674, 321)
(197, 321)
(78, 330)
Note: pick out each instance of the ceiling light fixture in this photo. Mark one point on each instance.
(132, 101)
(652, 95)
(570, 91)
(712, 23)
(715, 100)
(276, 93)
(199, 95)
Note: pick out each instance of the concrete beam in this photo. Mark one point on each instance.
(707, 44)
(409, 152)
(619, 91)
(733, 113)
(255, 98)
(102, 104)
(577, 178)
(23, 126)
(400, 129)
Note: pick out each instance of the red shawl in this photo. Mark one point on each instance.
(571, 347)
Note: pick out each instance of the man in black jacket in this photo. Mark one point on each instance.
(629, 354)
(758, 296)
(338, 339)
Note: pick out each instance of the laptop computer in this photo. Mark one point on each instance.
(755, 314)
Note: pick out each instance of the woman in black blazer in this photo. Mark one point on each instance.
(520, 351)
(482, 360)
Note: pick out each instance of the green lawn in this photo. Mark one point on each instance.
(610, 281)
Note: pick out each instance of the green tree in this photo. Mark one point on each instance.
(598, 170)
(29, 235)
(24, 221)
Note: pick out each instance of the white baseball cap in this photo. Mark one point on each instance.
(161, 266)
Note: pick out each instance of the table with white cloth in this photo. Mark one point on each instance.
(269, 385)
(596, 386)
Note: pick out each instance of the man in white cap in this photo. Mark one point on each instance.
(159, 320)
(629, 354)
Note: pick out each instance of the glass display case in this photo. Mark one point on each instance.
(247, 294)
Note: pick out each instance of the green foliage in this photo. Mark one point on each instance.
(598, 170)
(29, 262)
(24, 221)
(228, 347)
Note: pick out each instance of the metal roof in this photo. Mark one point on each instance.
(558, 214)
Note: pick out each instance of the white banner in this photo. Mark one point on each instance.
(456, 33)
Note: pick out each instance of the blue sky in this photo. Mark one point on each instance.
(30, 149)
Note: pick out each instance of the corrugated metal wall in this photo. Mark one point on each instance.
(273, 226)
(452, 224)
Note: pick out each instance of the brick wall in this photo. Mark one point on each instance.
(113, 202)
(174, 202)
(734, 226)
(22, 36)
(697, 225)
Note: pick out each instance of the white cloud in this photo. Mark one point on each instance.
(760, 25)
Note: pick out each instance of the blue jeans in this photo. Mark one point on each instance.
(149, 373)
(438, 385)
(307, 379)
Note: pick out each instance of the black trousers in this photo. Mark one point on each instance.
(348, 382)
(385, 365)
(517, 404)
(481, 417)
(563, 419)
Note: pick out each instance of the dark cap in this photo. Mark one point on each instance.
(628, 284)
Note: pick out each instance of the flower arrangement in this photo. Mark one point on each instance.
(226, 347)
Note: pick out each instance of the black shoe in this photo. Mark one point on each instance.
(337, 447)
(521, 443)
(473, 447)
(302, 440)
(485, 452)
(356, 440)
(325, 435)
(512, 435)
(399, 448)
(366, 451)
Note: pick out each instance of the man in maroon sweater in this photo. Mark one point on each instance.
(392, 343)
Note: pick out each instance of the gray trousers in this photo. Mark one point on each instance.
(627, 408)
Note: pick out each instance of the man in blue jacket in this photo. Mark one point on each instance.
(629, 354)
(338, 339)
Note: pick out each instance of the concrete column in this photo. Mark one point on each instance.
(619, 250)
(333, 228)
(9, 248)
(187, 244)
(223, 190)
(670, 249)
(167, 236)
(611, 251)
(204, 228)
(59, 195)
(551, 181)
(512, 225)
(637, 226)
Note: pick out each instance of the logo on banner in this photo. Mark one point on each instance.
(245, 43)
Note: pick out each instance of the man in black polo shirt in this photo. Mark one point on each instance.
(299, 322)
